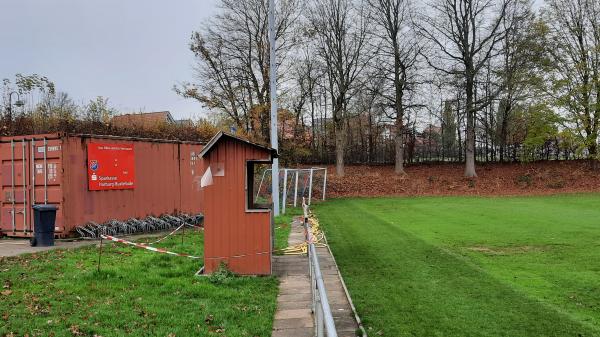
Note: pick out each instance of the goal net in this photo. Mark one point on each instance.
(294, 184)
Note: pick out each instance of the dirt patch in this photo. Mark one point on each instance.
(447, 179)
(511, 250)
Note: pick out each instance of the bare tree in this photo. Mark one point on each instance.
(521, 70)
(341, 30)
(575, 28)
(466, 33)
(399, 53)
(232, 51)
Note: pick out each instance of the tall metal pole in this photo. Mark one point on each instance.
(273, 82)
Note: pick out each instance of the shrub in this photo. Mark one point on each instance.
(222, 275)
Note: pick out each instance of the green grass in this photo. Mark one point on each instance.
(282, 226)
(468, 266)
(136, 293)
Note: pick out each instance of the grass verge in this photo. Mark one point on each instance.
(282, 227)
(136, 293)
(467, 266)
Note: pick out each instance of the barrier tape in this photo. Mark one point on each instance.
(173, 232)
(299, 249)
(235, 256)
(144, 246)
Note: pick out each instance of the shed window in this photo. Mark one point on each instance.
(258, 185)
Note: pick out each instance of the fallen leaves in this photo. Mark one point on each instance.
(213, 328)
(74, 329)
(6, 292)
(447, 179)
(35, 306)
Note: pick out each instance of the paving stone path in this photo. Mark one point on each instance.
(294, 317)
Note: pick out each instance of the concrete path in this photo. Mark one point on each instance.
(15, 246)
(294, 316)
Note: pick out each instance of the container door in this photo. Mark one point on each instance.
(30, 175)
(46, 174)
(15, 198)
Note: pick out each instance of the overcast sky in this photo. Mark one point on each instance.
(132, 51)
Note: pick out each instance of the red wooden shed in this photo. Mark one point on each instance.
(237, 229)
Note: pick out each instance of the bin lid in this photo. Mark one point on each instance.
(46, 207)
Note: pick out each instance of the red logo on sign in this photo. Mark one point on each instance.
(111, 166)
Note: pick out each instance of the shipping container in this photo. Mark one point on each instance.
(96, 178)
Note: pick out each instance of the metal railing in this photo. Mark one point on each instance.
(320, 304)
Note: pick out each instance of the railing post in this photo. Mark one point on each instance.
(320, 321)
(313, 287)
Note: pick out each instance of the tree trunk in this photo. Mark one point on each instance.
(313, 143)
(504, 130)
(339, 148)
(399, 78)
(593, 147)
(399, 142)
(470, 136)
(371, 140)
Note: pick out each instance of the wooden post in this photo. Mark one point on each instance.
(183, 234)
(100, 253)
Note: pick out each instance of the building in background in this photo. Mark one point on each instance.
(143, 120)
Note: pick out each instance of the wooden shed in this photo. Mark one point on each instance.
(237, 229)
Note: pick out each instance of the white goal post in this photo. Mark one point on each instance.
(297, 183)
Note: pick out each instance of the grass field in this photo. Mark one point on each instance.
(467, 266)
(136, 293)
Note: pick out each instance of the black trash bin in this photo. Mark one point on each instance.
(44, 217)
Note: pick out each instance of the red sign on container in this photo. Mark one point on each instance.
(111, 166)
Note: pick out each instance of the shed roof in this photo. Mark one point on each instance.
(224, 135)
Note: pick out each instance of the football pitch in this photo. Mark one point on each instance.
(470, 266)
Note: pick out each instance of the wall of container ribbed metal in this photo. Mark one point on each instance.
(167, 178)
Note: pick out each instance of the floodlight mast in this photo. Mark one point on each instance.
(273, 83)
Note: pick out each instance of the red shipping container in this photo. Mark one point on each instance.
(154, 177)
